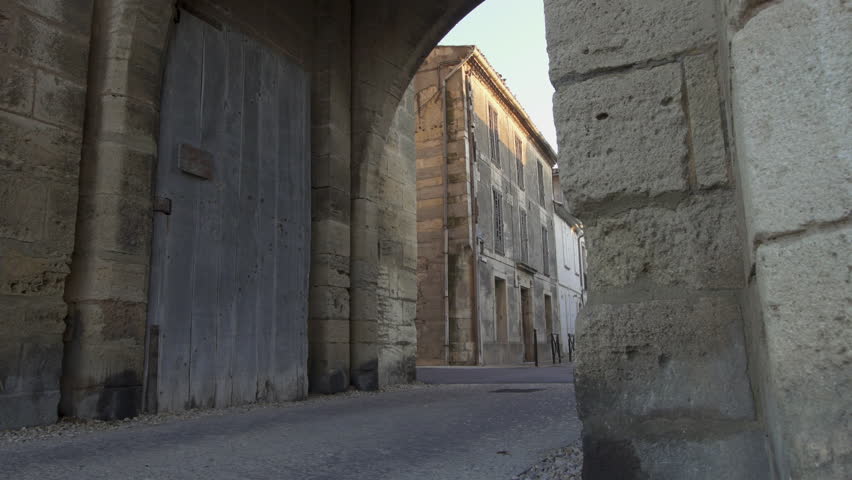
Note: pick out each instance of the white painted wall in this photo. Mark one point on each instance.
(570, 248)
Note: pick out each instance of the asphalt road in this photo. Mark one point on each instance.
(493, 427)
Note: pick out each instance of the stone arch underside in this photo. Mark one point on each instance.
(390, 41)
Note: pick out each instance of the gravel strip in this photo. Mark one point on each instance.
(73, 427)
(561, 464)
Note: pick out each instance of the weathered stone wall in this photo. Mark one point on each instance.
(791, 101)
(397, 269)
(44, 49)
(433, 331)
(389, 42)
(328, 335)
(662, 374)
(107, 288)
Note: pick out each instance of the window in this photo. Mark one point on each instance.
(540, 184)
(519, 159)
(525, 240)
(493, 136)
(544, 253)
(498, 222)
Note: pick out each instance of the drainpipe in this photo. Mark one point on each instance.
(474, 222)
(445, 179)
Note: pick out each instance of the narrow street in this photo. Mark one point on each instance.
(470, 423)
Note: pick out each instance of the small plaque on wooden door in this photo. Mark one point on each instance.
(195, 161)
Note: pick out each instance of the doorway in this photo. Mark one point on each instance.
(500, 310)
(230, 251)
(527, 325)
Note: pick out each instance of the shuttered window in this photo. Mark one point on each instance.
(545, 253)
(525, 239)
(540, 184)
(498, 222)
(494, 136)
(519, 159)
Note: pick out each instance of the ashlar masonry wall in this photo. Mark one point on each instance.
(44, 48)
(662, 373)
(791, 98)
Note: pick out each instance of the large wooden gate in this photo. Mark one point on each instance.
(230, 257)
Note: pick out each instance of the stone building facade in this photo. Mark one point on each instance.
(484, 217)
(705, 143)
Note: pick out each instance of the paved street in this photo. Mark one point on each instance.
(478, 430)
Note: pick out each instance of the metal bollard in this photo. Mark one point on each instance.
(535, 346)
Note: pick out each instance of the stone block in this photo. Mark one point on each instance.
(22, 207)
(17, 83)
(97, 278)
(108, 322)
(329, 330)
(74, 15)
(32, 365)
(709, 157)
(622, 135)
(805, 291)
(330, 237)
(584, 37)
(116, 223)
(694, 244)
(128, 117)
(31, 350)
(663, 358)
(39, 149)
(52, 47)
(735, 455)
(791, 102)
(331, 170)
(330, 203)
(61, 217)
(28, 409)
(32, 276)
(329, 270)
(118, 169)
(328, 303)
(59, 101)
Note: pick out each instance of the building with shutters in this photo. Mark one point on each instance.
(486, 264)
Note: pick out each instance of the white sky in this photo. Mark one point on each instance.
(511, 35)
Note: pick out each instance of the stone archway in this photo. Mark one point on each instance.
(702, 142)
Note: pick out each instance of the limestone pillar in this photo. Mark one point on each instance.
(791, 71)
(108, 286)
(328, 335)
(662, 378)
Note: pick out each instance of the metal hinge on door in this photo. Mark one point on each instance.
(163, 205)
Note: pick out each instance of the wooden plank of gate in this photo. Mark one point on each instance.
(303, 250)
(293, 260)
(266, 228)
(208, 233)
(181, 107)
(245, 344)
(288, 205)
(231, 147)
